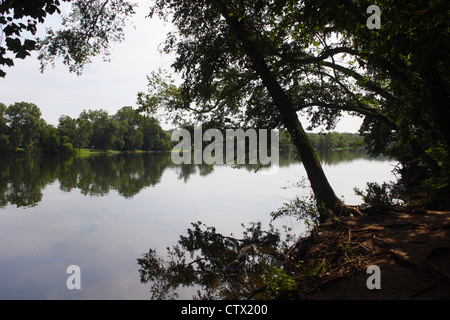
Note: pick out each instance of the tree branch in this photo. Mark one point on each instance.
(366, 83)
(89, 32)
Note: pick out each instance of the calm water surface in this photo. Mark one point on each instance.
(102, 213)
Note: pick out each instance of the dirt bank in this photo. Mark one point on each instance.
(411, 247)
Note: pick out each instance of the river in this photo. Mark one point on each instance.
(101, 213)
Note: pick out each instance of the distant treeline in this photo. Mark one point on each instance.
(22, 128)
(320, 141)
(324, 141)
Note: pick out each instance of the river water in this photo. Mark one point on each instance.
(102, 213)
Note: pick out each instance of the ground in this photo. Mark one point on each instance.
(411, 247)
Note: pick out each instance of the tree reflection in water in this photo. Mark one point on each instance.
(203, 259)
(23, 177)
(220, 267)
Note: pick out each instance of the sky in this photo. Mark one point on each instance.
(102, 85)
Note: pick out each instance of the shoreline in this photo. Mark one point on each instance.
(409, 246)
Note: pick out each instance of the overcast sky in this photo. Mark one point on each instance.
(103, 85)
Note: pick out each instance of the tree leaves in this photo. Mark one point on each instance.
(13, 14)
(87, 32)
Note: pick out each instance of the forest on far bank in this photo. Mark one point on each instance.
(23, 129)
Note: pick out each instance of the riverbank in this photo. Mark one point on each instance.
(85, 151)
(410, 249)
(90, 152)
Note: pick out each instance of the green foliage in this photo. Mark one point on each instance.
(19, 19)
(66, 148)
(15, 138)
(4, 142)
(324, 141)
(24, 123)
(162, 93)
(49, 140)
(376, 194)
(239, 59)
(327, 62)
(67, 127)
(3, 125)
(278, 282)
(23, 177)
(88, 31)
(4, 130)
(133, 137)
(84, 130)
(127, 130)
(21, 126)
(302, 208)
(207, 259)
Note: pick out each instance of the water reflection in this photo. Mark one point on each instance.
(221, 267)
(121, 205)
(24, 177)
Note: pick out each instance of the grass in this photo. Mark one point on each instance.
(88, 152)
(95, 151)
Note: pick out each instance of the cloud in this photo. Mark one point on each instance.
(103, 85)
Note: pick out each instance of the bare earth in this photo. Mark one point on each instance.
(410, 246)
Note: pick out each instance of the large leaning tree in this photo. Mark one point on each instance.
(262, 63)
(226, 53)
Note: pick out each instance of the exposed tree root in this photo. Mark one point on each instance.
(411, 248)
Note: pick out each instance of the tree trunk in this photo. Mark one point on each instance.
(327, 200)
(440, 104)
(324, 193)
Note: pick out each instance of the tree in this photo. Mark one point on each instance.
(320, 58)
(83, 131)
(4, 130)
(23, 119)
(19, 19)
(133, 138)
(15, 138)
(154, 137)
(120, 128)
(223, 55)
(65, 146)
(104, 129)
(406, 72)
(49, 138)
(67, 127)
(261, 63)
(88, 31)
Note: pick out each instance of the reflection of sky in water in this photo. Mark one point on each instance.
(105, 235)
